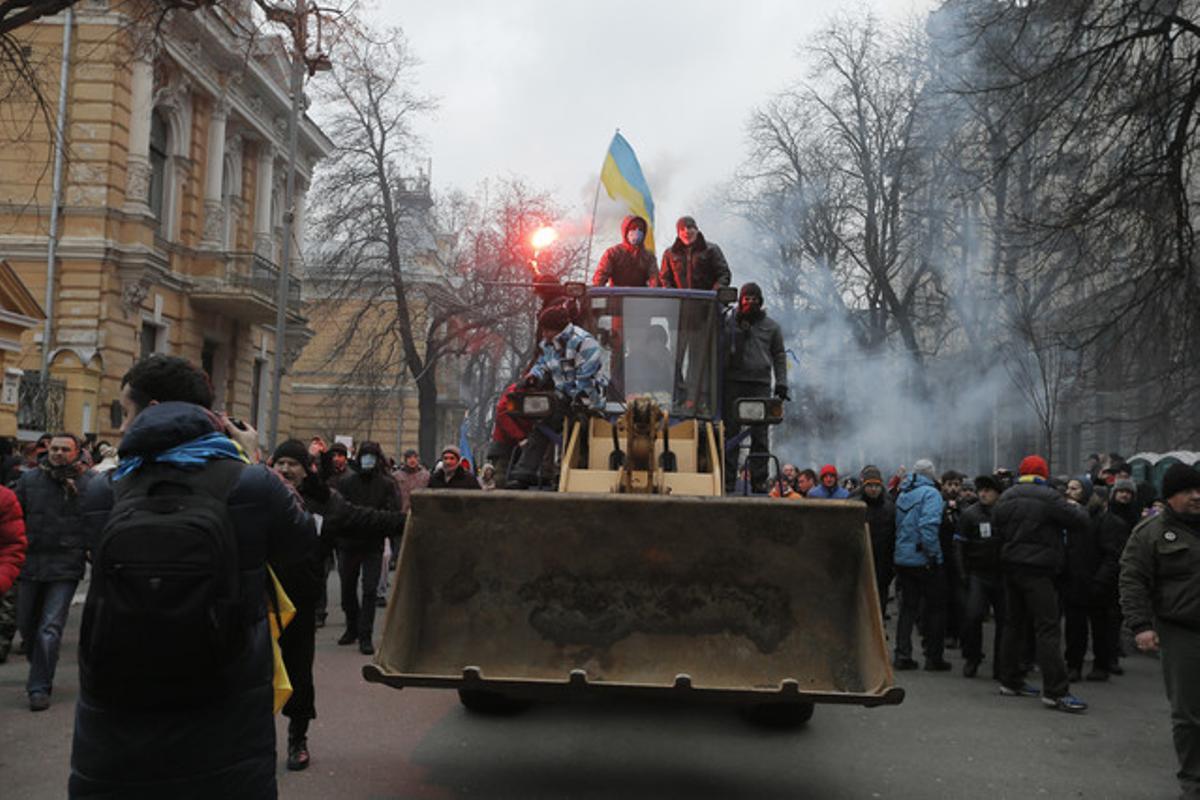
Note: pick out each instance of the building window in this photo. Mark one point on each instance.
(151, 340)
(159, 131)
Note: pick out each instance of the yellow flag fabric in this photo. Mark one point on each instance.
(623, 180)
(280, 613)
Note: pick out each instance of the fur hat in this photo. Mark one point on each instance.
(987, 482)
(1124, 483)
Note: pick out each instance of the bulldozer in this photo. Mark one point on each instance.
(637, 575)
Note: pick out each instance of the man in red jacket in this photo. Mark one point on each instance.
(12, 556)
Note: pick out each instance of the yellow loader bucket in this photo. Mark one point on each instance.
(712, 598)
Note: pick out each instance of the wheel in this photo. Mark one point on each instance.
(779, 715)
(493, 704)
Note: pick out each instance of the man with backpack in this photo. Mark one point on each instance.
(176, 691)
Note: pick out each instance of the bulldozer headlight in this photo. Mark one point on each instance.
(759, 411)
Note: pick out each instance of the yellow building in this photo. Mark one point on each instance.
(170, 230)
(351, 379)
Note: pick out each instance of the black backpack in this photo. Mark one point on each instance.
(164, 619)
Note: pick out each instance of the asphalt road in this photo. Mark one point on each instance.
(951, 738)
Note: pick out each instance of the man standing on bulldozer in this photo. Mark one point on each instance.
(570, 362)
(628, 263)
(755, 352)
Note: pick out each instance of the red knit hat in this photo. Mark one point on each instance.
(1034, 465)
(829, 469)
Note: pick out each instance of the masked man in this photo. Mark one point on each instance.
(627, 263)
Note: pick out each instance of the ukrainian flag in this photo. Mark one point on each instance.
(623, 180)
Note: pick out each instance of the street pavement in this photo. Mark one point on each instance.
(951, 738)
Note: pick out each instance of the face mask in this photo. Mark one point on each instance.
(635, 237)
(368, 462)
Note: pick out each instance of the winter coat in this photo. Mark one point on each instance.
(54, 527)
(918, 516)
(948, 530)
(977, 542)
(459, 479)
(12, 539)
(819, 492)
(374, 489)
(1033, 519)
(626, 265)
(881, 523)
(225, 748)
(574, 361)
(408, 480)
(1160, 573)
(755, 350)
(701, 266)
(1092, 560)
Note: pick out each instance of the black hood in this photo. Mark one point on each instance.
(165, 425)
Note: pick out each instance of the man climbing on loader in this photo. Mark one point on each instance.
(570, 361)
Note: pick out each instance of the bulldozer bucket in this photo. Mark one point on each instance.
(706, 598)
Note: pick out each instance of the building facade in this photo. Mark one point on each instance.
(172, 205)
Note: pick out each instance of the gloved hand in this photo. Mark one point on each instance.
(781, 391)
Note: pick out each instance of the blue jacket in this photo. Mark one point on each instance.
(819, 492)
(918, 517)
(573, 360)
(226, 749)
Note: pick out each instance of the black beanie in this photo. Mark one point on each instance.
(1180, 478)
(554, 318)
(295, 450)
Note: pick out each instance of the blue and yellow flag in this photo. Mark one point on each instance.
(623, 180)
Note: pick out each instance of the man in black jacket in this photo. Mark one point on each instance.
(691, 262)
(1117, 523)
(628, 263)
(1031, 519)
(977, 552)
(452, 474)
(1091, 579)
(369, 486)
(755, 353)
(50, 498)
(224, 748)
(881, 523)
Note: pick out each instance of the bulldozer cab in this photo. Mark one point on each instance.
(637, 576)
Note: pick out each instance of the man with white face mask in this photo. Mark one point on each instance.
(628, 263)
(369, 485)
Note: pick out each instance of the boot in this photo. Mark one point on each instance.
(349, 637)
(297, 758)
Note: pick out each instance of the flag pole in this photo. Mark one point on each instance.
(587, 259)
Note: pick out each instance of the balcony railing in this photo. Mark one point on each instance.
(40, 406)
(252, 271)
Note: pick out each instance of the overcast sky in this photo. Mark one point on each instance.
(535, 88)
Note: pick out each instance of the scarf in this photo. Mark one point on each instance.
(196, 453)
(65, 474)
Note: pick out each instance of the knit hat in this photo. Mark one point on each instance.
(684, 222)
(339, 447)
(1034, 465)
(295, 450)
(871, 474)
(410, 452)
(986, 482)
(452, 449)
(1124, 483)
(924, 467)
(829, 469)
(1180, 478)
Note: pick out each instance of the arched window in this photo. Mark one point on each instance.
(159, 132)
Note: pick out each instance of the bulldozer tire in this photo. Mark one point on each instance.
(492, 704)
(780, 716)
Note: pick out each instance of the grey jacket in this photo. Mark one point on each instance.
(755, 350)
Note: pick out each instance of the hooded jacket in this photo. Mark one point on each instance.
(918, 517)
(626, 265)
(54, 527)
(226, 748)
(1033, 521)
(700, 266)
(12, 539)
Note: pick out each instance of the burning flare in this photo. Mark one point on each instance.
(543, 237)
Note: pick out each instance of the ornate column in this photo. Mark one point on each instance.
(264, 243)
(141, 106)
(214, 209)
